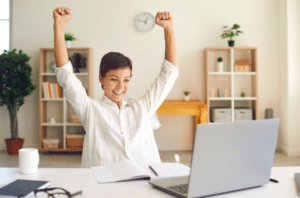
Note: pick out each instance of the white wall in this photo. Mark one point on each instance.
(108, 26)
(290, 77)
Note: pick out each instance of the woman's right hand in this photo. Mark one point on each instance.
(62, 15)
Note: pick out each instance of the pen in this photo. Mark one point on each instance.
(274, 180)
(153, 171)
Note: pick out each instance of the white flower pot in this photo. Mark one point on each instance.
(220, 66)
(186, 98)
(68, 44)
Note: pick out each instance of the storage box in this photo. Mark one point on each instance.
(243, 114)
(242, 66)
(75, 141)
(221, 115)
(51, 143)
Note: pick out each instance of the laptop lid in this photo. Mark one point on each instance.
(232, 156)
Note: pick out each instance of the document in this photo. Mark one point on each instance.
(129, 170)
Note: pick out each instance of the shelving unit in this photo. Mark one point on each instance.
(59, 108)
(234, 82)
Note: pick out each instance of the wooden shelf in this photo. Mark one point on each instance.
(59, 108)
(234, 82)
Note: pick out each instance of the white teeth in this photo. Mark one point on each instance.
(118, 92)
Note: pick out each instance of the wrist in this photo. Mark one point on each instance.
(59, 25)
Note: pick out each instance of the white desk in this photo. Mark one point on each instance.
(75, 179)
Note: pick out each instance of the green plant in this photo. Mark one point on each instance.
(229, 33)
(186, 93)
(15, 84)
(69, 37)
(220, 59)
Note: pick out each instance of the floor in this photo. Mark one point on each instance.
(73, 160)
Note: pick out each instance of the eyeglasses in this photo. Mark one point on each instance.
(55, 193)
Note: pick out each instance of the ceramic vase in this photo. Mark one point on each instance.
(68, 44)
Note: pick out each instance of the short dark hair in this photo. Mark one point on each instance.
(113, 61)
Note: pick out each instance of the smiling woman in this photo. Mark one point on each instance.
(116, 129)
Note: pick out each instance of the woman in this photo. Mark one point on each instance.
(116, 130)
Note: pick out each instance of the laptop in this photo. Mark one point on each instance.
(227, 157)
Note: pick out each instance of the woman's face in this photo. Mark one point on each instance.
(116, 84)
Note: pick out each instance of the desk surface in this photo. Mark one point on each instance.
(75, 179)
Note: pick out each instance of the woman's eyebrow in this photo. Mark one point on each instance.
(118, 77)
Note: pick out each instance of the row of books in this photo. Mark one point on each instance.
(52, 90)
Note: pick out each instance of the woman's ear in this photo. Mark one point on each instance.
(100, 79)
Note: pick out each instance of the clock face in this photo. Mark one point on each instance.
(144, 22)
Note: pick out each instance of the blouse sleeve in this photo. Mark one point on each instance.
(74, 91)
(161, 87)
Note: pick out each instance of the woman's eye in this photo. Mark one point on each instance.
(114, 79)
(126, 80)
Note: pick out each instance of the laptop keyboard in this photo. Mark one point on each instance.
(183, 188)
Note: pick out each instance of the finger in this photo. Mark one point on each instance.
(68, 11)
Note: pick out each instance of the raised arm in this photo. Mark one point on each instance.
(61, 17)
(165, 20)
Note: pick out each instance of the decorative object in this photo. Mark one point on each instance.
(243, 94)
(78, 62)
(269, 113)
(220, 65)
(186, 95)
(144, 22)
(53, 66)
(52, 121)
(69, 38)
(220, 93)
(229, 33)
(15, 84)
(51, 143)
(242, 66)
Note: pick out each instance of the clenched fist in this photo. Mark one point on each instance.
(164, 19)
(62, 15)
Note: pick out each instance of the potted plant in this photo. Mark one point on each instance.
(220, 64)
(69, 38)
(229, 33)
(186, 95)
(78, 61)
(15, 84)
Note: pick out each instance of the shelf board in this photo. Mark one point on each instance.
(77, 74)
(229, 73)
(73, 124)
(244, 73)
(220, 98)
(50, 124)
(220, 73)
(52, 99)
(245, 98)
(230, 98)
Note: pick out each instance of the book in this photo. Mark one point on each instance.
(22, 188)
(45, 90)
(129, 170)
(58, 90)
(53, 90)
(49, 90)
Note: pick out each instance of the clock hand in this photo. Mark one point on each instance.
(146, 20)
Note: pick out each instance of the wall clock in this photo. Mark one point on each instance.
(144, 22)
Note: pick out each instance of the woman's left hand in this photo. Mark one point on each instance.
(164, 19)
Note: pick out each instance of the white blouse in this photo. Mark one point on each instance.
(114, 134)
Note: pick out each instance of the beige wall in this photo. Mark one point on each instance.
(290, 77)
(108, 26)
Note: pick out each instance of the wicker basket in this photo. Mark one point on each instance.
(75, 141)
(51, 143)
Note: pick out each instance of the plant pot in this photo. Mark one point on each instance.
(13, 146)
(220, 67)
(186, 98)
(231, 43)
(68, 44)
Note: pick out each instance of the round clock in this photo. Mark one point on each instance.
(144, 22)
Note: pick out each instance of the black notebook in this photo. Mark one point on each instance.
(23, 188)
